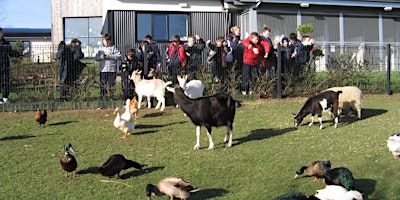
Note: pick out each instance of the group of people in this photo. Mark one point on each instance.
(250, 58)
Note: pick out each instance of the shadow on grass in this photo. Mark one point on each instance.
(208, 193)
(141, 172)
(145, 126)
(156, 114)
(61, 123)
(366, 113)
(17, 137)
(366, 186)
(261, 134)
(89, 170)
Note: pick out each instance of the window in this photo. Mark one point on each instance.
(86, 29)
(161, 26)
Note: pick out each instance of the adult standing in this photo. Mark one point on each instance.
(5, 67)
(107, 55)
(70, 66)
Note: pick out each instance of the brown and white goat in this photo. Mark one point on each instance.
(324, 101)
(149, 88)
(216, 110)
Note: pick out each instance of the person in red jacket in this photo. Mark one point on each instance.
(176, 58)
(254, 50)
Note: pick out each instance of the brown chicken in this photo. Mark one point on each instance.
(41, 117)
(133, 106)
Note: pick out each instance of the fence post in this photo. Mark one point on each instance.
(278, 72)
(389, 91)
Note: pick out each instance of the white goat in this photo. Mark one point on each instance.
(150, 88)
(193, 89)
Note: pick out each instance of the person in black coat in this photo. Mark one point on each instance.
(5, 68)
(70, 67)
(128, 64)
(194, 48)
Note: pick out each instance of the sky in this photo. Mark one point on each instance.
(25, 14)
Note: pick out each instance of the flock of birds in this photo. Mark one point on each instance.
(340, 183)
(171, 186)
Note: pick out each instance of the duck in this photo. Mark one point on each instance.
(337, 192)
(123, 125)
(340, 176)
(296, 196)
(315, 169)
(393, 143)
(127, 115)
(68, 161)
(171, 186)
(116, 163)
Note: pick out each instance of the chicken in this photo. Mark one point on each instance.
(127, 115)
(133, 106)
(123, 125)
(40, 117)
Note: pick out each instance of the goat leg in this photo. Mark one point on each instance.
(211, 146)
(320, 122)
(197, 145)
(312, 121)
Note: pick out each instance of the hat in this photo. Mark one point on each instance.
(75, 40)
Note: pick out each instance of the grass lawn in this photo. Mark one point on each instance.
(266, 152)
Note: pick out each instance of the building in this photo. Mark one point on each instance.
(337, 24)
(37, 40)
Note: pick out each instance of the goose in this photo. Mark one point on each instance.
(393, 144)
(171, 186)
(127, 115)
(336, 192)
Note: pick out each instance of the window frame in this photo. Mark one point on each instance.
(168, 32)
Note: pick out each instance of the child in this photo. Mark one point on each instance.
(108, 54)
(252, 55)
(193, 48)
(217, 60)
(143, 55)
(127, 66)
(176, 58)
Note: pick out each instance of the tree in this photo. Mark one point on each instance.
(305, 29)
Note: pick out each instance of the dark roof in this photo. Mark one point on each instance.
(27, 32)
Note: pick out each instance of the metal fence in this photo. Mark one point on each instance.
(35, 78)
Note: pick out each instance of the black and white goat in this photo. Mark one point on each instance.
(216, 110)
(323, 101)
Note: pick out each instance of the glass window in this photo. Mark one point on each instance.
(161, 25)
(326, 28)
(361, 29)
(86, 29)
(280, 24)
(391, 29)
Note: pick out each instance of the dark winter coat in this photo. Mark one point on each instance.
(70, 67)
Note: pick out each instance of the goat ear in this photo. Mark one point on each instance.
(185, 76)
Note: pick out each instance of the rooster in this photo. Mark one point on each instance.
(133, 106)
(40, 117)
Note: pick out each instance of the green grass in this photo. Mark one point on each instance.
(261, 164)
